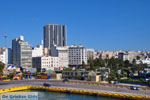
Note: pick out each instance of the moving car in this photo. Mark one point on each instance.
(134, 88)
(46, 84)
(66, 80)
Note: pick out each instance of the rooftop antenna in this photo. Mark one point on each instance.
(5, 36)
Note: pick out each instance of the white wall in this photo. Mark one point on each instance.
(50, 63)
(5, 55)
(62, 53)
(77, 54)
(37, 51)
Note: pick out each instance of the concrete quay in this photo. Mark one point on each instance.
(74, 85)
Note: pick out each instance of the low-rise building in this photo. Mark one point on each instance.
(108, 54)
(144, 61)
(46, 63)
(82, 75)
(128, 55)
(76, 73)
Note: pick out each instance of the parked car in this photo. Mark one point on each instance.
(134, 88)
(66, 80)
(111, 82)
(46, 84)
(116, 82)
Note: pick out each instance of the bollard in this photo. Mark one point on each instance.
(122, 86)
(144, 89)
(128, 87)
(117, 86)
(98, 84)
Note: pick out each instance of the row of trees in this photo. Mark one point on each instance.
(116, 64)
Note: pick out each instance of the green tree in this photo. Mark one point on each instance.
(83, 64)
(126, 63)
(134, 61)
(91, 64)
(138, 58)
(112, 75)
(2, 65)
(145, 65)
(68, 69)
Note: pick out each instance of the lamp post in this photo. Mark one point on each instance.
(5, 36)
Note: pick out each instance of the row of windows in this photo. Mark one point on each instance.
(50, 65)
(50, 59)
(77, 59)
(49, 62)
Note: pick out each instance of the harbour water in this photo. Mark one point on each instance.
(46, 95)
(43, 95)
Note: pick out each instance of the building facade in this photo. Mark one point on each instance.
(21, 53)
(128, 55)
(37, 51)
(6, 55)
(62, 53)
(144, 61)
(90, 54)
(46, 63)
(123, 56)
(54, 34)
(77, 55)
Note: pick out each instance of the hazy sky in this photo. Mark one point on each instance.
(98, 24)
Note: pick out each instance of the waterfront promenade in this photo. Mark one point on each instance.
(73, 85)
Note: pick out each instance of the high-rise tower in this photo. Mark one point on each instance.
(54, 35)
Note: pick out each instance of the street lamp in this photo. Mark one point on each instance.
(5, 36)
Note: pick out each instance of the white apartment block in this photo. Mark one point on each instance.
(62, 53)
(144, 61)
(47, 63)
(128, 55)
(37, 51)
(77, 55)
(5, 55)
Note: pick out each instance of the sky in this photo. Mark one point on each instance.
(97, 24)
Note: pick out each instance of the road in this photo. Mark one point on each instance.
(60, 84)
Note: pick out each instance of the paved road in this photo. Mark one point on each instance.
(56, 83)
